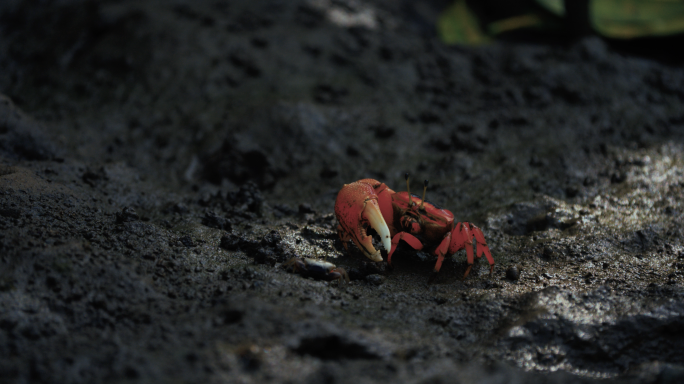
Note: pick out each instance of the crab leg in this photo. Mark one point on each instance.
(462, 237)
(482, 247)
(442, 251)
(338, 274)
(408, 238)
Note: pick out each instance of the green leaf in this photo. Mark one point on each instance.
(459, 25)
(557, 7)
(528, 20)
(637, 18)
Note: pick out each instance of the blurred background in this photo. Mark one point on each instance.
(646, 27)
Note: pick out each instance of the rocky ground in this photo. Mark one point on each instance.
(161, 161)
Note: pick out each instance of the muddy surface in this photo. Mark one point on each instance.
(160, 162)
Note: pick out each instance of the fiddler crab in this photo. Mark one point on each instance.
(319, 270)
(397, 216)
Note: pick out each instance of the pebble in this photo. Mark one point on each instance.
(512, 273)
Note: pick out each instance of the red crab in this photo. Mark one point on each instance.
(395, 216)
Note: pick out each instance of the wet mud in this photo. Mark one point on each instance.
(161, 162)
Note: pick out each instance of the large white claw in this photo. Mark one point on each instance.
(356, 208)
(377, 222)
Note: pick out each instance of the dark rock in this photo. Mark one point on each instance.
(512, 273)
(127, 214)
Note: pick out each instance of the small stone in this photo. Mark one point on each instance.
(512, 273)
(127, 214)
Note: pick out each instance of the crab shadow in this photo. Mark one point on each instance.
(407, 262)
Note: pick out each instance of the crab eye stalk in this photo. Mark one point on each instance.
(425, 184)
(408, 189)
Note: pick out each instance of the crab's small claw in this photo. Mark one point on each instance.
(356, 209)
